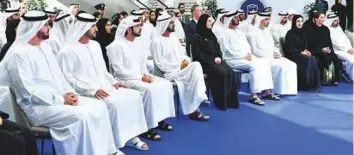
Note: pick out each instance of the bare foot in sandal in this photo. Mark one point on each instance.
(137, 144)
(150, 135)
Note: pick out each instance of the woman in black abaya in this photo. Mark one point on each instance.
(297, 51)
(320, 45)
(104, 37)
(221, 78)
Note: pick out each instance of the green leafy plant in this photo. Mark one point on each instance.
(36, 5)
(212, 5)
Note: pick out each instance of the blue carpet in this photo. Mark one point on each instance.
(306, 124)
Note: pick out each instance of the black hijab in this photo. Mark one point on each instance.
(202, 29)
(11, 25)
(102, 36)
(294, 28)
(115, 19)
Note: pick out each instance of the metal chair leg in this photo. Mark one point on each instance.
(178, 104)
(42, 148)
(53, 149)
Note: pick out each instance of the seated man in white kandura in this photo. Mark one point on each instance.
(128, 65)
(83, 65)
(78, 125)
(341, 44)
(238, 55)
(169, 57)
(284, 71)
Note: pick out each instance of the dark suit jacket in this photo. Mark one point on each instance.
(190, 30)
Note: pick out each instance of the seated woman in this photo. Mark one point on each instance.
(221, 78)
(297, 51)
(104, 37)
(320, 45)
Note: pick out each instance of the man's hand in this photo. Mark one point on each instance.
(70, 99)
(1, 121)
(326, 50)
(119, 85)
(184, 64)
(351, 51)
(217, 60)
(276, 55)
(248, 57)
(101, 94)
(147, 78)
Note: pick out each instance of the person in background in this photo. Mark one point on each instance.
(11, 27)
(340, 9)
(14, 139)
(104, 37)
(323, 5)
(182, 10)
(153, 17)
(51, 14)
(97, 15)
(191, 26)
(115, 22)
(124, 14)
(100, 8)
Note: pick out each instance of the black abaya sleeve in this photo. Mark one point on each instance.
(200, 51)
(292, 45)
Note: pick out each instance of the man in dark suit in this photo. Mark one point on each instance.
(191, 26)
(14, 139)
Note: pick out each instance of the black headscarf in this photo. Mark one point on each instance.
(294, 28)
(11, 25)
(202, 29)
(102, 35)
(115, 19)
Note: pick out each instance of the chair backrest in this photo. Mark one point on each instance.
(20, 115)
(282, 45)
(157, 71)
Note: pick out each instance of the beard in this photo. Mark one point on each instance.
(170, 29)
(136, 34)
(43, 35)
(235, 22)
(182, 11)
(284, 21)
(335, 24)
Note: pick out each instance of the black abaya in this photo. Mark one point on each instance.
(319, 38)
(221, 77)
(307, 70)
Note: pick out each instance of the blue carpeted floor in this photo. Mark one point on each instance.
(306, 124)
